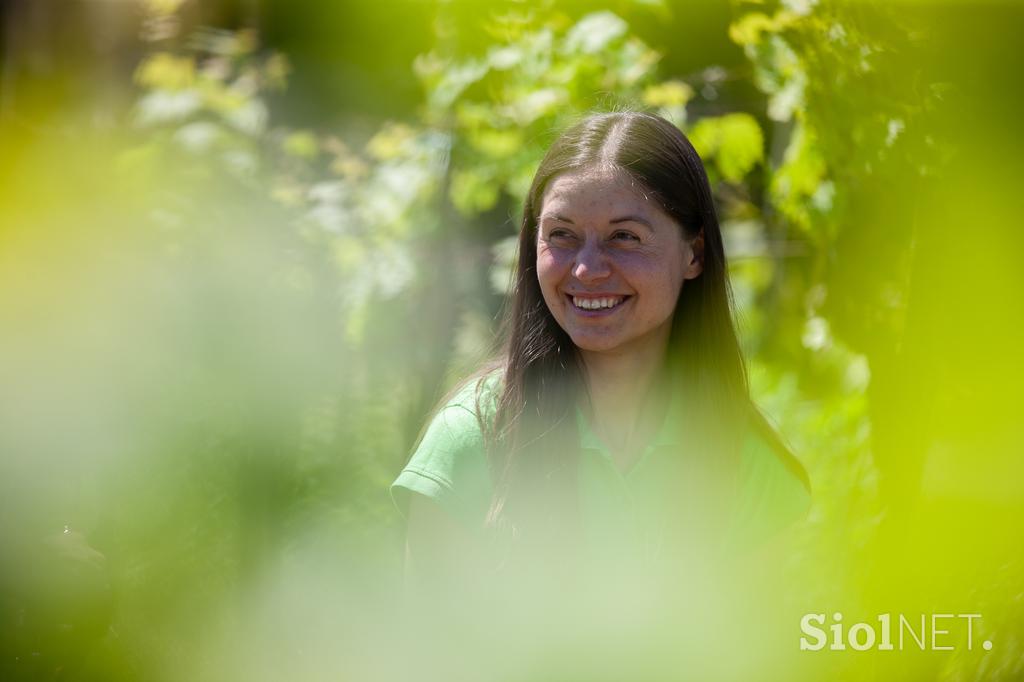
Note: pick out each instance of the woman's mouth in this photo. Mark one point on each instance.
(596, 304)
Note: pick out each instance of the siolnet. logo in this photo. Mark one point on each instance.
(923, 632)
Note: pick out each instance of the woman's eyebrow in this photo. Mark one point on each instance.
(632, 219)
(613, 221)
(555, 216)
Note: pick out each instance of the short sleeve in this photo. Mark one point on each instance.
(774, 493)
(449, 466)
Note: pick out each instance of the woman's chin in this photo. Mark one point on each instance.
(619, 344)
(590, 344)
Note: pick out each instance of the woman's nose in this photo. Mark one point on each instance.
(591, 262)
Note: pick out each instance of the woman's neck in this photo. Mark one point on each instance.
(625, 398)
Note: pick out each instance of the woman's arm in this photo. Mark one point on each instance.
(441, 554)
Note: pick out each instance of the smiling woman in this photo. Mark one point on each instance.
(615, 429)
(612, 275)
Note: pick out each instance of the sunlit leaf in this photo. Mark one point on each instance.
(472, 193)
(454, 80)
(668, 93)
(497, 143)
(276, 70)
(163, 106)
(301, 144)
(734, 141)
(166, 71)
(389, 142)
(594, 32)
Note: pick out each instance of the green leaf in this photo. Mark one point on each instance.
(497, 144)
(454, 81)
(390, 142)
(165, 71)
(301, 144)
(594, 32)
(472, 193)
(734, 141)
(801, 178)
(667, 94)
(747, 29)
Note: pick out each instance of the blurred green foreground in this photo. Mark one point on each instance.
(245, 247)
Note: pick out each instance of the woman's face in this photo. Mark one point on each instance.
(610, 262)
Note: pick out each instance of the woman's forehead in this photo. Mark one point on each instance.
(597, 190)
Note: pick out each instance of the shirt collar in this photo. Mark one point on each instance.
(669, 434)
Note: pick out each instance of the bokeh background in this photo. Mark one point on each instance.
(245, 245)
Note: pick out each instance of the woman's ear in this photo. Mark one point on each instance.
(696, 264)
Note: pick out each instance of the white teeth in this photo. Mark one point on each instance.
(596, 303)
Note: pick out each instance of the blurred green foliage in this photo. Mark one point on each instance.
(223, 331)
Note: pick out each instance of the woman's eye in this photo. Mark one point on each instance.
(625, 236)
(559, 234)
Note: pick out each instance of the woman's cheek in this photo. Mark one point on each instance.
(553, 259)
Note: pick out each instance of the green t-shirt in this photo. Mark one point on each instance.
(451, 467)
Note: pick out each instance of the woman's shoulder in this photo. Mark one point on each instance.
(775, 486)
(449, 464)
(477, 394)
